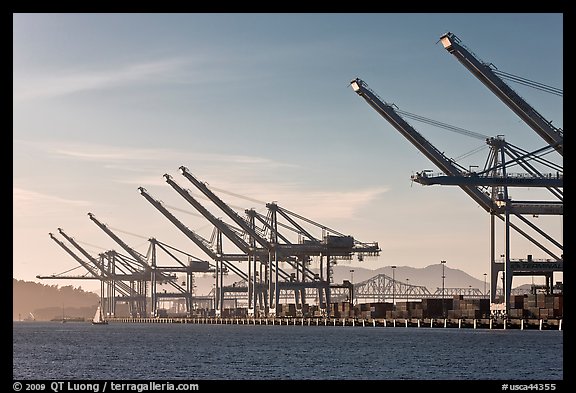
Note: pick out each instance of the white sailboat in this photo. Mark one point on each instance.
(98, 320)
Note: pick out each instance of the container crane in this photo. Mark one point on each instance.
(221, 260)
(228, 231)
(251, 251)
(445, 164)
(552, 135)
(272, 265)
(501, 207)
(260, 288)
(91, 269)
(133, 272)
(97, 271)
(495, 174)
(202, 243)
(113, 279)
(302, 272)
(149, 271)
(333, 245)
(193, 265)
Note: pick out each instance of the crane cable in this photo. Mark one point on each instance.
(529, 83)
(449, 127)
(446, 126)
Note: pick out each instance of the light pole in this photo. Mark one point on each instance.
(393, 286)
(484, 284)
(443, 277)
(503, 256)
(407, 292)
(352, 288)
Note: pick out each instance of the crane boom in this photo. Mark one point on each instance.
(444, 163)
(82, 250)
(552, 135)
(430, 151)
(239, 242)
(137, 256)
(221, 225)
(225, 208)
(120, 285)
(87, 266)
(129, 267)
(123, 287)
(197, 239)
(202, 243)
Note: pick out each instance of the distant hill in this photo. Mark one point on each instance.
(429, 276)
(48, 301)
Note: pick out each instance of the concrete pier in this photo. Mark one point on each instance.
(511, 323)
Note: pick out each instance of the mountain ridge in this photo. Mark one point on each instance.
(429, 276)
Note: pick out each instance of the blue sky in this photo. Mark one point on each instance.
(260, 105)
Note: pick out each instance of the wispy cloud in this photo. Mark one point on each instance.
(26, 203)
(219, 168)
(321, 205)
(114, 157)
(43, 86)
(300, 198)
(252, 177)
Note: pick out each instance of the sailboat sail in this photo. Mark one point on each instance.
(98, 320)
